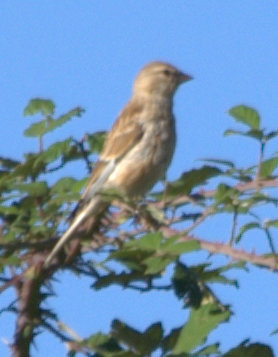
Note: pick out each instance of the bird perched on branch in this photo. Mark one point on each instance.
(138, 148)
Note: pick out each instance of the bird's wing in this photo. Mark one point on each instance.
(124, 135)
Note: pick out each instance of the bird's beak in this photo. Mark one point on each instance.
(185, 77)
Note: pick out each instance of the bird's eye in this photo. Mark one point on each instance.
(167, 72)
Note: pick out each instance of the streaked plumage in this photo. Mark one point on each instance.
(138, 148)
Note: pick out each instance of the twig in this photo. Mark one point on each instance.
(270, 241)
(233, 229)
(80, 144)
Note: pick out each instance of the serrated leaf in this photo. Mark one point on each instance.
(191, 179)
(186, 285)
(56, 150)
(122, 279)
(9, 210)
(28, 167)
(157, 264)
(96, 141)
(254, 133)
(268, 166)
(33, 189)
(271, 135)
(67, 184)
(246, 227)
(132, 259)
(246, 115)
(103, 344)
(128, 335)
(170, 340)
(39, 105)
(180, 247)
(49, 124)
(201, 321)
(8, 163)
(252, 350)
(225, 194)
(143, 343)
(38, 128)
(233, 132)
(153, 335)
(220, 162)
(149, 242)
(206, 351)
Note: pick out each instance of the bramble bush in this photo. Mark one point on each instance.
(140, 245)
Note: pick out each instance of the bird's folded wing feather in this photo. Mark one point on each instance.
(124, 135)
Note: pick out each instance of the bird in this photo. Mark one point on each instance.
(139, 147)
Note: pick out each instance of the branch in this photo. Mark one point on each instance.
(28, 311)
(266, 261)
(201, 194)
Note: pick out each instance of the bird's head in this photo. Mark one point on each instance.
(159, 79)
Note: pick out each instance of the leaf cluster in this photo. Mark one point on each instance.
(138, 246)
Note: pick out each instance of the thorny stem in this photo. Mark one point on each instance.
(80, 144)
(40, 144)
(233, 229)
(29, 287)
(28, 316)
(209, 211)
(261, 156)
(270, 241)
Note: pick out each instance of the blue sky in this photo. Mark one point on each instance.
(87, 53)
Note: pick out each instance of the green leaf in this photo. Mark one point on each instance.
(132, 259)
(149, 242)
(252, 350)
(274, 332)
(39, 105)
(271, 135)
(122, 279)
(157, 264)
(246, 227)
(49, 124)
(170, 340)
(55, 151)
(268, 166)
(220, 162)
(214, 275)
(225, 194)
(246, 115)
(271, 223)
(206, 351)
(178, 248)
(96, 141)
(191, 179)
(143, 343)
(7, 210)
(28, 168)
(102, 344)
(256, 134)
(229, 132)
(68, 184)
(186, 285)
(201, 321)
(8, 163)
(33, 189)
(153, 335)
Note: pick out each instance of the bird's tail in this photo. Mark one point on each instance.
(92, 208)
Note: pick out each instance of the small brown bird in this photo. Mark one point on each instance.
(138, 148)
